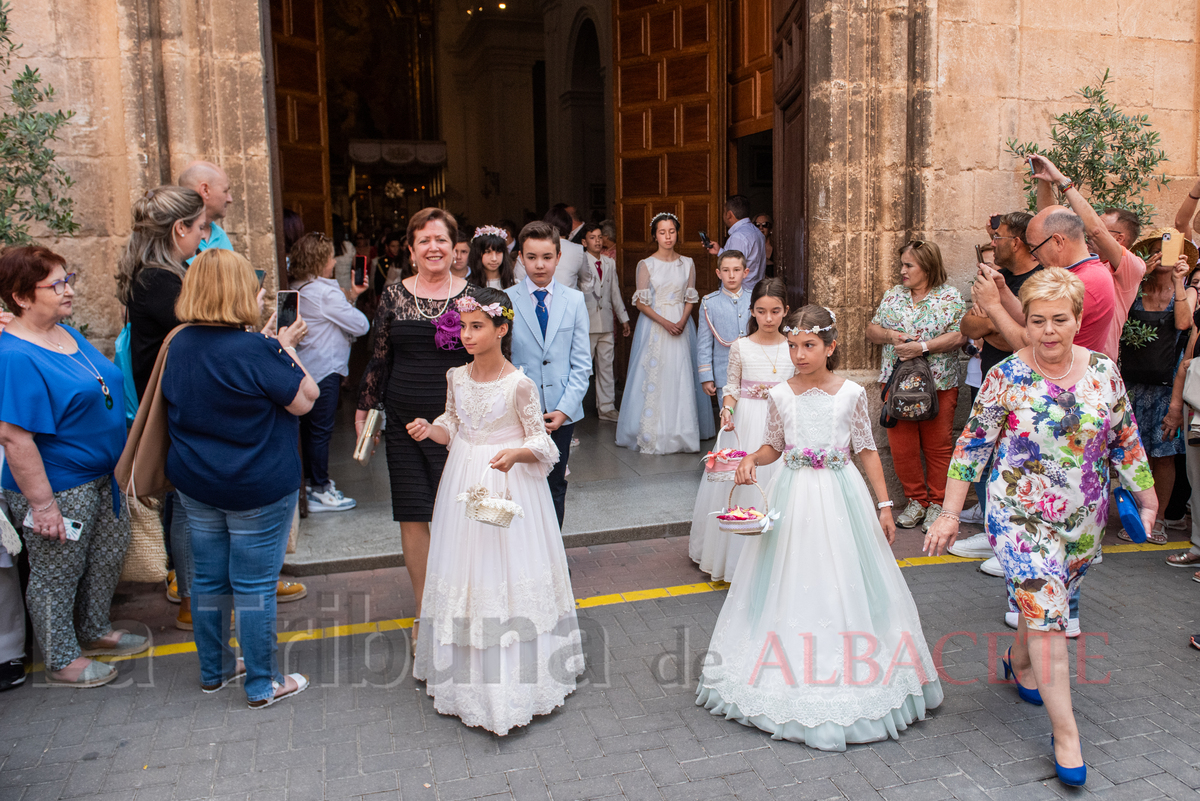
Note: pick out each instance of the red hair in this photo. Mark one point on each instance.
(22, 269)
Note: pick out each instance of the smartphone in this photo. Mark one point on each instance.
(260, 275)
(704, 240)
(74, 527)
(995, 221)
(1171, 247)
(359, 275)
(979, 254)
(287, 308)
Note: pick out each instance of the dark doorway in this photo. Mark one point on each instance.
(755, 165)
(588, 187)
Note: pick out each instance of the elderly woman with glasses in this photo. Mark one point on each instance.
(62, 426)
(919, 318)
(1057, 420)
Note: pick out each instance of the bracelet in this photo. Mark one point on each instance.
(727, 409)
(1065, 187)
(47, 506)
(1193, 197)
(950, 514)
(884, 504)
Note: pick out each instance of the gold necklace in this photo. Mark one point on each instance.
(768, 355)
(417, 298)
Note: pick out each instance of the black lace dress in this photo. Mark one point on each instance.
(406, 377)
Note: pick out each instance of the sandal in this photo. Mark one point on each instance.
(301, 685)
(1156, 535)
(93, 675)
(1188, 559)
(239, 670)
(1194, 641)
(127, 645)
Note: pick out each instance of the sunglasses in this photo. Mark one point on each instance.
(60, 286)
(763, 226)
(1070, 421)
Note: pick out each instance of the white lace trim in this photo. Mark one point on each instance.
(642, 296)
(862, 437)
(502, 614)
(690, 295)
(774, 435)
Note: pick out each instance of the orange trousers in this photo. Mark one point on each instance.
(932, 438)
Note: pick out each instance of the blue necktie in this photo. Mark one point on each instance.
(543, 313)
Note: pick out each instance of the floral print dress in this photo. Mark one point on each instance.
(1048, 489)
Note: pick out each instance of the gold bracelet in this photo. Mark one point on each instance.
(47, 506)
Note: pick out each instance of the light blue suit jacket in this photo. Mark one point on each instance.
(559, 363)
(730, 318)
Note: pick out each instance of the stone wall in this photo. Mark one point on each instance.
(153, 84)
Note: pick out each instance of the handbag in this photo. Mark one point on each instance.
(364, 448)
(1191, 385)
(146, 556)
(141, 470)
(910, 394)
(124, 360)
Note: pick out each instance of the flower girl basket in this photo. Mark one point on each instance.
(750, 522)
(486, 507)
(720, 464)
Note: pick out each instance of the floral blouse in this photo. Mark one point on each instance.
(939, 312)
(1047, 479)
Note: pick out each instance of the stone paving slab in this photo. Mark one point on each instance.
(366, 730)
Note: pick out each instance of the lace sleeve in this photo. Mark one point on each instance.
(644, 295)
(379, 368)
(529, 409)
(861, 436)
(449, 418)
(733, 386)
(690, 295)
(774, 436)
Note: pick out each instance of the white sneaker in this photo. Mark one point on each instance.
(1011, 619)
(1098, 558)
(1072, 628)
(972, 515)
(973, 547)
(992, 567)
(330, 499)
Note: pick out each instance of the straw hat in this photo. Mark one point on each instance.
(1142, 248)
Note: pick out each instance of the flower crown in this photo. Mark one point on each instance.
(816, 329)
(663, 215)
(470, 304)
(489, 230)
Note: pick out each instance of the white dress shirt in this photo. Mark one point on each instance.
(532, 287)
(333, 323)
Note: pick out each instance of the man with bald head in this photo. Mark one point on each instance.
(211, 182)
(1056, 239)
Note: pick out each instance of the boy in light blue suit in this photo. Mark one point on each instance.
(724, 315)
(552, 344)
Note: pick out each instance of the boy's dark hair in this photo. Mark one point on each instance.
(739, 205)
(508, 225)
(1125, 217)
(539, 230)
(486, 297)
(484, 244)
(587, 228)
(1017, 222)
(770, 287)
(813, 316)
(462, 237)
(732, 254)
(558, 217)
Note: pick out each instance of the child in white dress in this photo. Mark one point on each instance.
(757, 362)
(499, 641)
(664, 408)
(819, 641)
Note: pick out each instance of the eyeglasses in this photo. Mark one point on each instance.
(60, 286)
(997, 236)
(1070, 421)
(1044, 241)
(763, 226)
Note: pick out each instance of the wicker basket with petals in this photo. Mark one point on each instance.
(720, 464)
(485, 506)
(750, 526)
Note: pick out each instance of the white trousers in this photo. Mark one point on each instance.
(602, 368)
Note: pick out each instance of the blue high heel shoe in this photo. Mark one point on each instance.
(1072, 777)
(1029, 696)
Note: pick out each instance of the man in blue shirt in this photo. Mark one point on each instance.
(744, 237)
(211, 182)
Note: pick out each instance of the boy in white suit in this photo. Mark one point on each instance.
(551, 344)
(605, 300)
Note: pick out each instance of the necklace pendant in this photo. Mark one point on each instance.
(108, 401)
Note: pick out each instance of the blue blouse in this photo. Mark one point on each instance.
(58, 399)
(234, 445)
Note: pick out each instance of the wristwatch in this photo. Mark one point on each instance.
(924, 347)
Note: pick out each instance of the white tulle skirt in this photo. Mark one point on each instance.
(714, 550)
(819, 640)
(499, 641)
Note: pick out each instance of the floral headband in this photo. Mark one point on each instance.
(490, 230)
(469, 304)
(816, 329)
(663, 215)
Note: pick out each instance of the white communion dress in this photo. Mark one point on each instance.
(819, 640)
(664, 408)
(499, 641)
(753, 370)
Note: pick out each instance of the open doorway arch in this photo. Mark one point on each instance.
(583, 104)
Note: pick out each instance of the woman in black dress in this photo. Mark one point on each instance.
(416, 343)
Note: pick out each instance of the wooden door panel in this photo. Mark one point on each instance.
(751, 106)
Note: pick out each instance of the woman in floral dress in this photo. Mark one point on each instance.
(1057, 417)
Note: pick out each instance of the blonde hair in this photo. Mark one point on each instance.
(309, 254)
(152, 242)
(219, 287)
(928, 257)
(1051, 284)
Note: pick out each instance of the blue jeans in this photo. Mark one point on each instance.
(316, 429)
(237, 557)
(181, 547)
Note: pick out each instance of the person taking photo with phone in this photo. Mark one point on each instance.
(62, 426)
(333, 323)
(745, 238)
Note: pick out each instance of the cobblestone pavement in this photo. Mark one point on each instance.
(367, 730)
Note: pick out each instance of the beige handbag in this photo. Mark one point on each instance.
(146, 557)
(364, 448)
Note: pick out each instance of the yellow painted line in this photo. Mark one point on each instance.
(396, 624)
